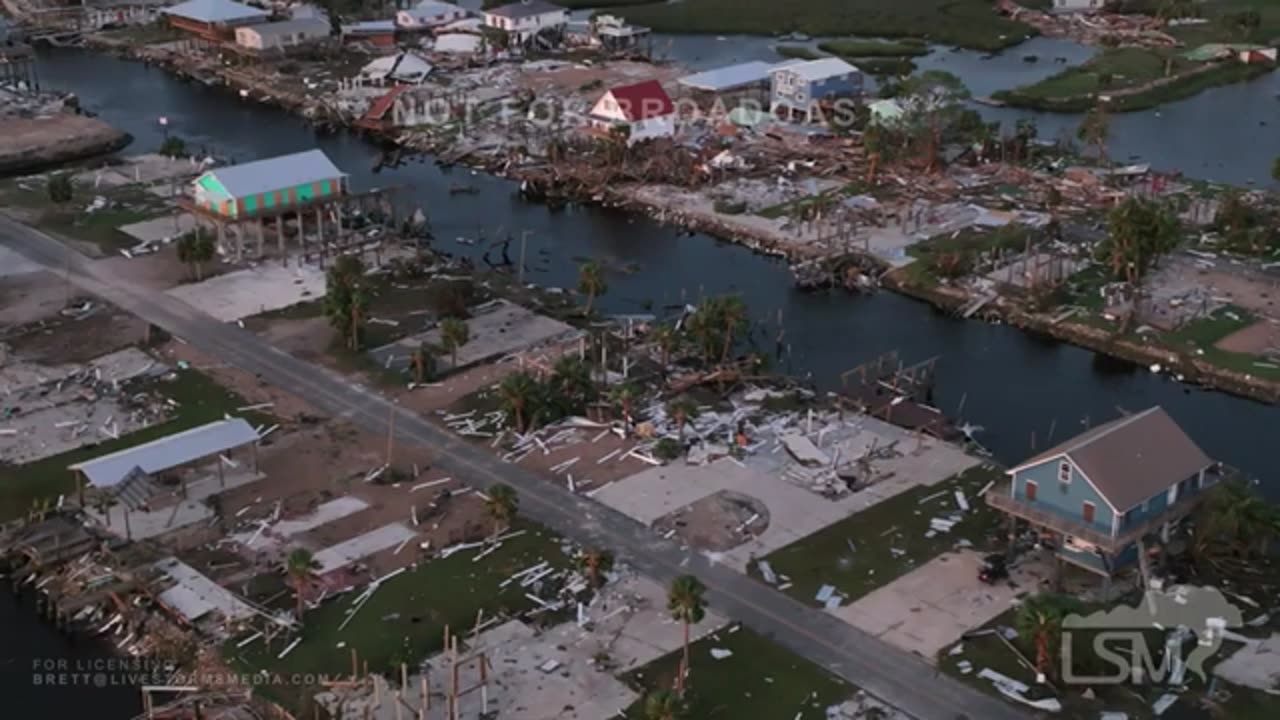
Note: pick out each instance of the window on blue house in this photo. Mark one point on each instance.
(1064, 472)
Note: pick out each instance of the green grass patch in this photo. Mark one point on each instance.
(875, 48)
(797, 52)
(888, 540)
(1206, 331)
(761, 679)
(125, 205)
(966, 23)
(200, 400)
(404, 620)
(989, 651)
(1220, 29)
(1116, 72)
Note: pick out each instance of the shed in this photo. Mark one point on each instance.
(268, 186)
(168, 452)
(213, 19)
(282, 35)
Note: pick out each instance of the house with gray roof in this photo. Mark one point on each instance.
(1097, 495)
(525, 20)
(213, 19)
(269, 187)
(280, 36)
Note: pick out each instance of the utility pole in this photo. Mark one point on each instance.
(391, 431)
(524, 237)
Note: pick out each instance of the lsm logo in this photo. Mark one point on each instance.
(1147, 643)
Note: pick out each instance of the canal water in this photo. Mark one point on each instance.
(1228, 134)
(1010, 383)
(29, 648)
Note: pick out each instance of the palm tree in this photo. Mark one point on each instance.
(60, 189)
(571, 385)
(667, 339)
(594, 564)
(687, 605)
(345, 298)
(591, 283)
(680, 410)
(518, 391)
(733, 315)
(1095, 129)
(664, 705)
(502, 505)
(1235, 516)
(195, 249)
(454, 333)
(300, 566)
(1040, 619)
(624, 395)
(422, 357)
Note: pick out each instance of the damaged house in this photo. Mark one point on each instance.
(1096, 496)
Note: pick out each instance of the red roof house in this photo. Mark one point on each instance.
(644, 109)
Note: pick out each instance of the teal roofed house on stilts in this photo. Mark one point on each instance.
(294, 191)
(268, 187)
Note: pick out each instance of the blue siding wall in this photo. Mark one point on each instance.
(836, 86)
(1065, 500)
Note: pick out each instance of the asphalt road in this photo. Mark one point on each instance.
(901, 679)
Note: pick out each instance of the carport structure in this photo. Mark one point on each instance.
(134, 476)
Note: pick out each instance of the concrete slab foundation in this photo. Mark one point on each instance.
(239, 294)
(498, 328)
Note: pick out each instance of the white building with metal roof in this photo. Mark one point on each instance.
(733, 77)
(167, 453)
(282, 35)
(213, 18)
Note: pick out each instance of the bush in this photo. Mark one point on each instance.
(667, 449)
(60, 189)
(730, 207)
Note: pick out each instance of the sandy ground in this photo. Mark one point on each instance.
(1257, 665)
(929, 608)
(286, 406)
(1254, 340)
(56, 138)
(1183, 286)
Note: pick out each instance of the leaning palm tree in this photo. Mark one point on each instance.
(502, 503)
(594, 564)
(1040, 619)
(1237, 518)
(591, 283)
(300, 566)
(625, 396)
(454, 333)
(518, 391)
(667, 338)
(665, 705)
(571, 384)
(733, 315)
(687, 605)
(680, 410)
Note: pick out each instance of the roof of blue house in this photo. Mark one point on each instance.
(1131, 459)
